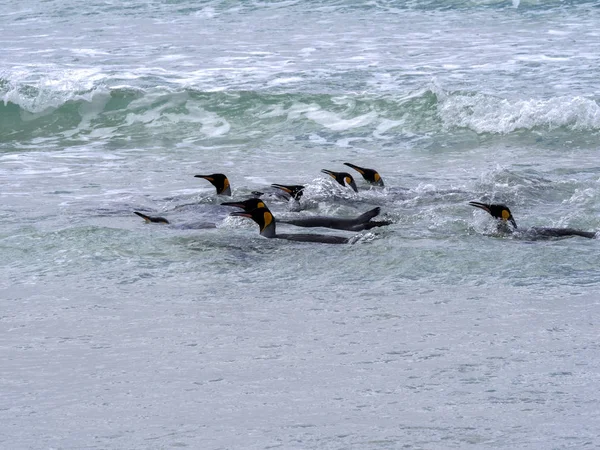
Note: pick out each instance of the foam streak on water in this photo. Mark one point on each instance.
(433, 332)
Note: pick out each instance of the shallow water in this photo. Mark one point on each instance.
(434, 332)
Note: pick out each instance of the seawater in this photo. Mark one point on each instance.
(434, 332)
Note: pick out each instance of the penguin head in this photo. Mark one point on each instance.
(343, 178)
(152, 219)
(295, 190)
(263, 217)
(247, 205)
(219, 181)
(498, 211)
(377, 180)
(370, 175)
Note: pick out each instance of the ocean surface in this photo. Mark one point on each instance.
(434, 332)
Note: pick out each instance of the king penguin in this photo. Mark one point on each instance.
(219, 181)
(508, 225)
(343, 178)
(360, 223)
(266, 222)
(370, 175)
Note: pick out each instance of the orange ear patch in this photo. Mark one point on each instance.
(268, 219)
(377, 177)
(505, 214)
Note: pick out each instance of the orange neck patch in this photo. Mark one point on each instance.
(268, 219)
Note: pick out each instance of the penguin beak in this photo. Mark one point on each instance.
(481, 206)
(206, 177)
(241, 214)
(328, 172)
(358, 169)
(511, 220)
(283, 188)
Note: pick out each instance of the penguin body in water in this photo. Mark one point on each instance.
(265, 220)
(152, 219)
(360, 223)
(184, 226)
(508, 225)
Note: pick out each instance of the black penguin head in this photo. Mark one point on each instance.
(295, 190)
(371, 175)
(219, 181)
(247, 205)
(264, 219)
(343, 178)
(498, 211)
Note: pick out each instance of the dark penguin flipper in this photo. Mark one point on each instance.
(365, 217)
(149, 219)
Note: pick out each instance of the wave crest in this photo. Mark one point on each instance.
(487, 114)
(98, 112)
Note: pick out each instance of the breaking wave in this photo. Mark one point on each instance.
(98, 112)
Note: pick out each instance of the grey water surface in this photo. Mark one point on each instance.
(435, 332)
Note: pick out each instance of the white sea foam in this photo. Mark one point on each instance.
(336, 122)
(285, 80)
(487, 114)
(211, 124)
(386, 125)
(299, 109)
(52, 88)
